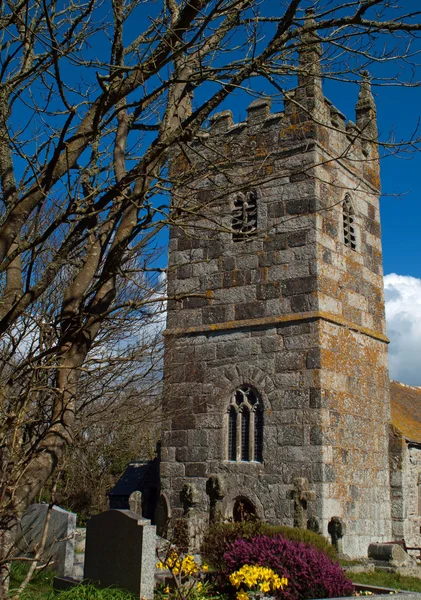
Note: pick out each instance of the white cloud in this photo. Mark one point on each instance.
(403, 316)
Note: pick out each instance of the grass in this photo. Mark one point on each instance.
(390, 580)
(349, 562)
(41, 588)
(38, 589)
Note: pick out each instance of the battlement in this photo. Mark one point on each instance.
(308, 119)
(326, 124)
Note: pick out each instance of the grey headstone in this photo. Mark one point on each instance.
(59, 546)
(135, 502)
(120, 552)
(163, 515)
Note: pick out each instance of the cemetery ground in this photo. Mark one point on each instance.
(246, 560)
(41, 587)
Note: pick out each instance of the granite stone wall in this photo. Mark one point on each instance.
(405, 469)
(291, 311)
(412, 494)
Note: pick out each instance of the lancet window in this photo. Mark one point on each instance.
(244, 215)
(245, 426)
(348, 215)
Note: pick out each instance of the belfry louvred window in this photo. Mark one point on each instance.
(350, 238)
(244, 215)
(245, 426)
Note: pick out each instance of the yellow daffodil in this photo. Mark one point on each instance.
(255, 576)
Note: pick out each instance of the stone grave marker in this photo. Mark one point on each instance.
(59, 546)
(135, 502)
(163, 515)
(120, 552)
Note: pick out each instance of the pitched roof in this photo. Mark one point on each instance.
(405, 404)
(139, 475)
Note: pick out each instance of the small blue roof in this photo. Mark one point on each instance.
(138, 476)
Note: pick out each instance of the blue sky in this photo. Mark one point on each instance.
(399, 118)
(399, 111)
(399, 115)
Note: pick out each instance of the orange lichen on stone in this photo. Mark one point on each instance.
(405, 406)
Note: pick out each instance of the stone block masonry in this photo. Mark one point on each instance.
(276, 355)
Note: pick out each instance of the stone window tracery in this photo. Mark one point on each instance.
(245, 426)
(244, 215)
(349, 231)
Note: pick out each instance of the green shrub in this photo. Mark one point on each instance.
(219, 535)
(308, 537)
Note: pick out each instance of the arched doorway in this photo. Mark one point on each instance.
(243, 510)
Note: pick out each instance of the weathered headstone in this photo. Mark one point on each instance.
(389, 553)
(163, 515)
(301, 496)
(336, 530)
(215, 489)
(59, 545)
(120, 552)
(135, 502)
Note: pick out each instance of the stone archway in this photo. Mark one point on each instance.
(243, 510)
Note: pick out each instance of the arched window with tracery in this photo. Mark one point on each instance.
(349, 231)
(245, 426)
(258, 434)
(244, 215)
(245, 433)
(232, 433)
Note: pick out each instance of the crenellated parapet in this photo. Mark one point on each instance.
(264, 132)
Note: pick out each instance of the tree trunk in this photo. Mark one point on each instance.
(7, 543)
(44, 460)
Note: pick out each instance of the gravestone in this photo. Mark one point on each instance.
(301, 496)
(120, 552)
(215, 489)
(163, 515)
(336, 530)
(59, 545)
(135, 502)
(392, 553)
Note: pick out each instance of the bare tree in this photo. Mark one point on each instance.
(118, 414)
(91, 108)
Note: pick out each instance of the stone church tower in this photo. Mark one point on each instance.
(276, 378)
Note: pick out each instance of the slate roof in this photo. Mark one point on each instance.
(139, 475)
(405, 404)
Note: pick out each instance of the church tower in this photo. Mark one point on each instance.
(276, 382)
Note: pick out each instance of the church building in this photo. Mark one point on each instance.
(276, 385)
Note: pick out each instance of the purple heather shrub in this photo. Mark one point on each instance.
(310, 573)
